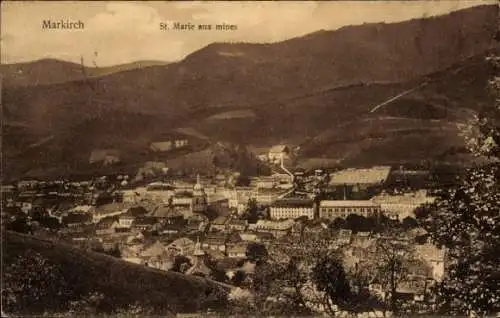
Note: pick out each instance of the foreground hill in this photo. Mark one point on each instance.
(294, 91)
(60, 274)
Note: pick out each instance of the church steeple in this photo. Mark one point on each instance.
(199, 197)
(197, 248)
(199, 266)
(198, 188)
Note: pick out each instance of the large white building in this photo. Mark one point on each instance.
(292, 209)
(404, 205)
(331, 209)
(277, 228)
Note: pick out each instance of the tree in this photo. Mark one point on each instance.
(390, 262)
(30, 284)
(256, 252)
(466, 219)
(392, 267)
(51, 223)
(337, 224)
(329, 276)
(238, 278)
(19, 224)
(409, 223)
(359, 223)
(252, 211)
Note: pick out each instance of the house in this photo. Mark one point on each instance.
(332, 209)
(130, 251)
(159, 192)
(277, 228)
(107, 226)
(137, 211)
(156, 256)
(195, 226)
(215, 255)
(169, 144)
(403, 205)
(173, 225)
(264, 237)
(145, 223)
(182, 246)
(267, 196)
(83, 241)
(164, 212)
(239, 197)
(229, 266)
(433, 257)
(218, 204)
(215, 241)
(152, 250)
(237, 251)
(25, 206)
(344, 237)
(162, 146)
(126, 220)
(413, 288)
(249, 236)
(183, 200)
(133, 195)
(265, 182)
(109, 244)
(312, 230)
(363, 240)
(76, 220)
(219, 224)
(110, 209)
(84, 209)
(276, 153)
(292, 208)
(237, 225)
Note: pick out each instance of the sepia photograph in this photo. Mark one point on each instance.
(250, 158)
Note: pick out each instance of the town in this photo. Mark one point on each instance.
(224, 226)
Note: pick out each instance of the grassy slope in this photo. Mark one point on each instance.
(122, 283)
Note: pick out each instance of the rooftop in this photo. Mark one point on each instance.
(145, 221)
(293, 202)
(220, 220)
(374, 175)
(418, 197)
(348, 203)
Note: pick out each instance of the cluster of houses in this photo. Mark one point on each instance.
(156, 223)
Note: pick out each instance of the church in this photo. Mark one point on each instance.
(199, 200)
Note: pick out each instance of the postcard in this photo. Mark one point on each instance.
(250, 158)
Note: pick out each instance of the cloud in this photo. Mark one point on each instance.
(123, 17)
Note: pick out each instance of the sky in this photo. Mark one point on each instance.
(122, 32)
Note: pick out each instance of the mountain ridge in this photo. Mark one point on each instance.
(296, 89)
(49, 71)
